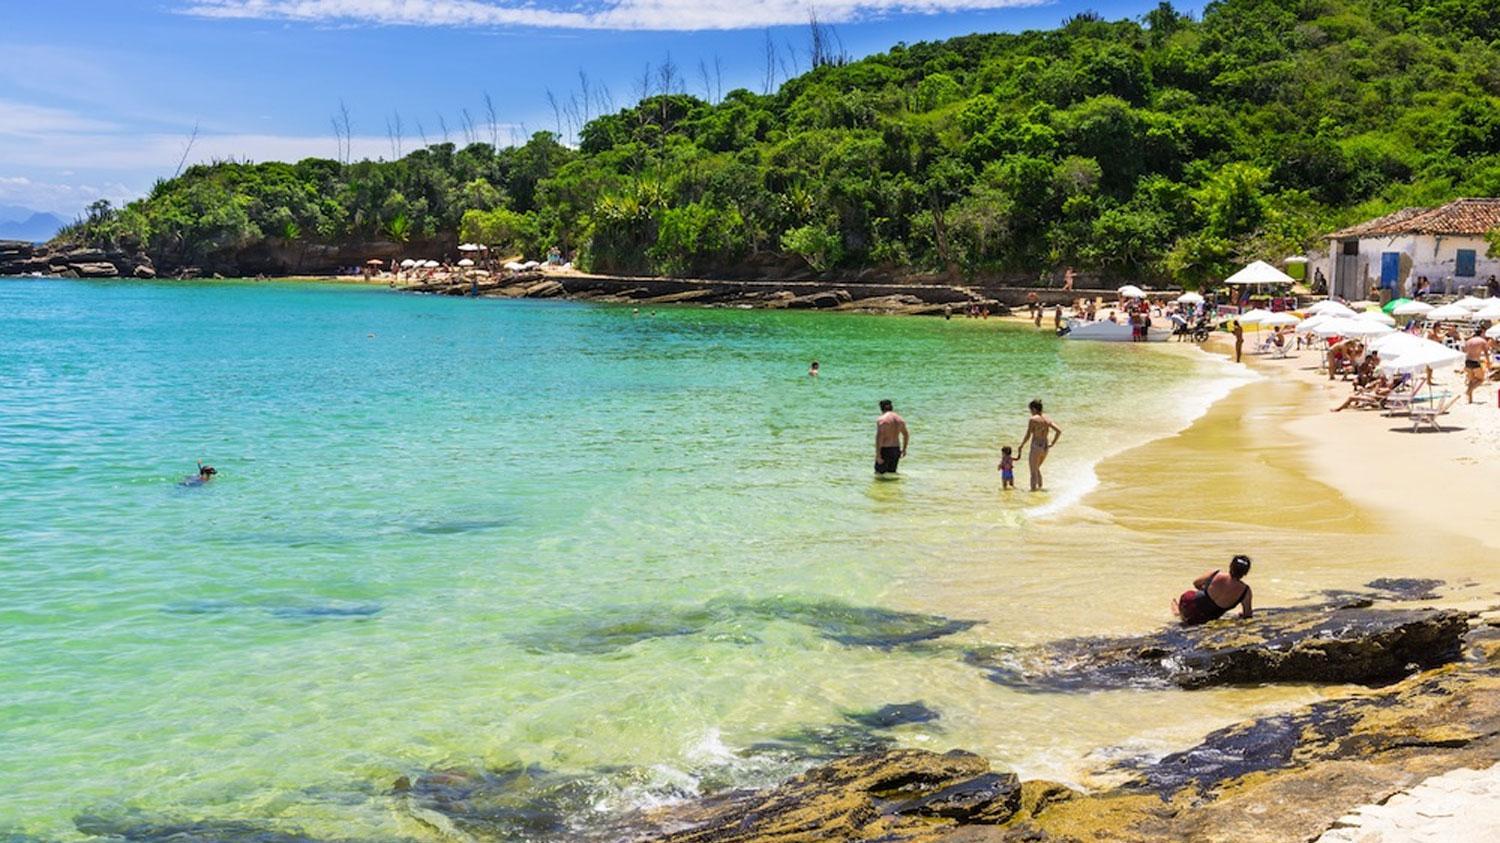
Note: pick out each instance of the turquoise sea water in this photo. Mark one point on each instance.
(468, 534)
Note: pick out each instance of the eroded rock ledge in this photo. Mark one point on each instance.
(1346, 645)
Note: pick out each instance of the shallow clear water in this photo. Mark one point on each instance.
(472, 533)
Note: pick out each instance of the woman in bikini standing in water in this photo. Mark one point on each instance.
(1038, 427)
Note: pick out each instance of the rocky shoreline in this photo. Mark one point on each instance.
(22, 258)
(1287, 776)
(905, 298)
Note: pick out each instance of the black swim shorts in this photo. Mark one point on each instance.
(888, 459)
(1471, 364)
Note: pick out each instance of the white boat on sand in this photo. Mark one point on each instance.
(1107, 331)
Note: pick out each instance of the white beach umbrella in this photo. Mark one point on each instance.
(1489, 313)
(1278, 320)
(408, 263)
(1449, 311)
(514, 266)
(1471, 303)
(1377, 316)
(1393, 344)
(1370, 328)
(1131, 291)
(1329, 307)
(1259, 272)
(1311, 324)
(531, 264)
(1254, 317)
(1190, 298)
(1493, 333)
(1419, 356)
(465, 262)
(1412, 308)
(470, 247)
(431, 264)
(1341, 326)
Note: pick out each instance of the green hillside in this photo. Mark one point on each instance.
(1159, 148)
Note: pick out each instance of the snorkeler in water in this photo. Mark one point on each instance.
(205, 474)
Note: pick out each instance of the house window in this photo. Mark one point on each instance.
(1351, 247)
(1464, 266)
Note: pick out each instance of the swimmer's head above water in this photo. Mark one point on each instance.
(206, 472)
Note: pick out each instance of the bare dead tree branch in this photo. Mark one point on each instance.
(493, 119)
(556, 111)
(338, 137)
(443, 125)
(468, 125)
(192, 139)
(587, 101)
(718, 79)
(768, 80)
(400, 136)
(348, 132)
(422, 133)
(643, 88)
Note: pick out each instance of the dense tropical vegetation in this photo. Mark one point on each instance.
(1164, 147)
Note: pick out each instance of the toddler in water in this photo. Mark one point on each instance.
(1007, 469)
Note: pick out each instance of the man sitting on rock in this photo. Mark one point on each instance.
(1215, 593)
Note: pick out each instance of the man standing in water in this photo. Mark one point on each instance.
(1038, 429)
(891, 438)
(1239, 340)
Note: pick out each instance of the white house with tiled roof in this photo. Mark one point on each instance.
(1387, 255)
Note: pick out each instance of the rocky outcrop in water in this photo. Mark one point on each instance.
(899, 795)
(1317, 644)
(64, 261)
(1282, 777)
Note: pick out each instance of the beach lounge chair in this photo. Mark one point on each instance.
(1283, 351)
(1400, 399)
(1429, 415)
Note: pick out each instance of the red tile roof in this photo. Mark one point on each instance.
(1461, 216)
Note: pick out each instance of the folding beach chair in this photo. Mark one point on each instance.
(1429, 415)
(1400, 399)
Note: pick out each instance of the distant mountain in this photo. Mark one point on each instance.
(37, 226)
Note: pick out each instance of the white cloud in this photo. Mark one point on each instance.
(610, 14)
(19, 118)
(65, 200)
(159, 152)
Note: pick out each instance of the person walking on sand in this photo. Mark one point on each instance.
(891, 439)
(1038, 428)
(1215, 593)
(1475, 352)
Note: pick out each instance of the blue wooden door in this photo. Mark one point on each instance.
(1390, 269)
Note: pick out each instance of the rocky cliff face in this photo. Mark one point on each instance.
(66, 261)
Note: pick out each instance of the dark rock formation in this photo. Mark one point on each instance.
(142, 828)
(1359, 645)
(900, 795)
(65, 261)
(1287, 776)
(861, 732)
(606, 631)
(515, 803)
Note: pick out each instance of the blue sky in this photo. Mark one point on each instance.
(98, 97)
